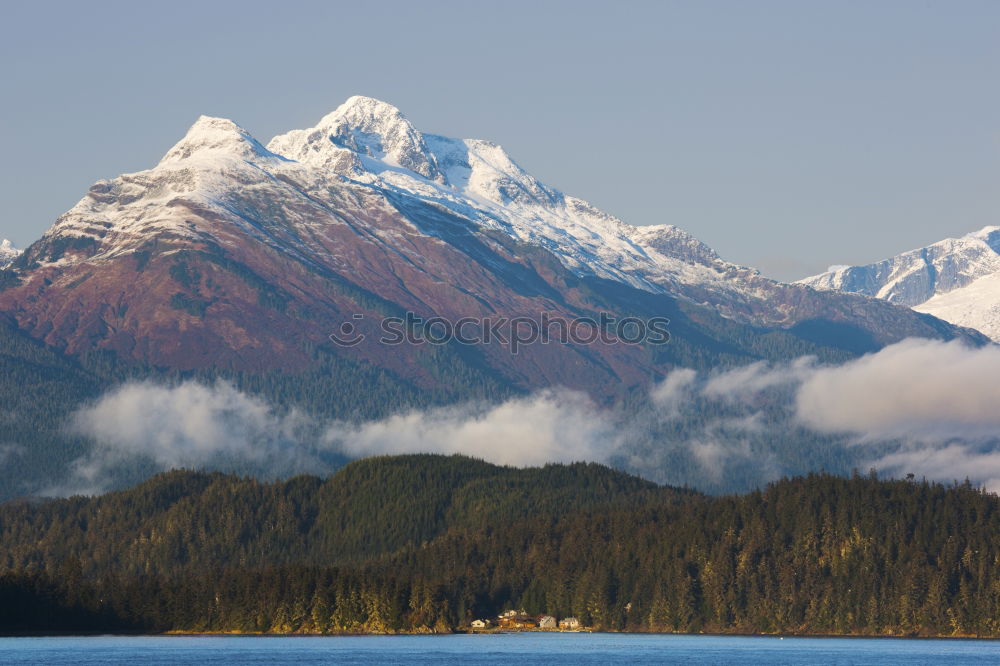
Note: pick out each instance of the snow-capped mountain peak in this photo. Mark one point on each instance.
(196, 174)
(913, 277)
(372, 141)
(8, 253)
(210, 136)
(361, 126)
(956, 279)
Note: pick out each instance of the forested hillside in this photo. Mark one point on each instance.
(182, 522)
(38, 386)
(423, 543)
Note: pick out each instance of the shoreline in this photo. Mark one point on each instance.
(469, 632)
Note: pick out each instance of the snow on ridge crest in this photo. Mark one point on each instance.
(371, 142)
(366, 137)
(984, 232)
(213, 135)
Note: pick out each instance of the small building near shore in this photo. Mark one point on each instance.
(546, 622)
(481, 624)
(569, 623)
(517, 621)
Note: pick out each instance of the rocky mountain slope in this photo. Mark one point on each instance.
(957, 279)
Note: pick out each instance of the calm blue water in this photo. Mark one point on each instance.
(521, 649)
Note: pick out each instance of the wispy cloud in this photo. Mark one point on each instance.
(744, 383)
(550, 426)
(952, 461)
(934, 404)
(188, 425)
(917, 389)
(216, 426)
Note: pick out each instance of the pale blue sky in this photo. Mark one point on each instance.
(788, 135)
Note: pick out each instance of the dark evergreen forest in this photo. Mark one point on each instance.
(428, 543)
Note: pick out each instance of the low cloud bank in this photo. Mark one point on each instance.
(550, 426)
(183, 424)
(940, 401)
(923, 407)
(917, 389)
(947, 462)
(192, 425)
(188, 425)
(935, 404)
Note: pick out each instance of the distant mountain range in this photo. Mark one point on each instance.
(234, 259)
(957, 279)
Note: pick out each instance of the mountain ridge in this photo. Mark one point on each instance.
(368, 148)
